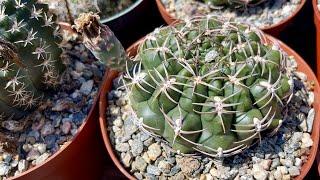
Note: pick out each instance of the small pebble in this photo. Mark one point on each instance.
(22, 165)
(154, 170)
(294, 171)
(310, 119)
(259, 172)
(154, 151)
(4, 169)
(139, 164)
(86, 87)
(66, 127)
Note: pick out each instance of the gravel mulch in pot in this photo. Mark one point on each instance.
(264, 15)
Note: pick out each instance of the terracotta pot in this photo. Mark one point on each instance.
(317, 23)
(302, 66)
(78, 159)
(273, 30)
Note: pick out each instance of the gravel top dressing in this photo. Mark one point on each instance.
(264, 15)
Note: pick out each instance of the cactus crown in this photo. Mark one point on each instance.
(29, 55)
(234, 3)
(209, 85)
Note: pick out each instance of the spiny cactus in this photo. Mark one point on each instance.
(234, 3)
(29, 56)
(209, 85)
(206, 85)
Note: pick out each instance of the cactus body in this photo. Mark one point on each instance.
(207, 85)
(29, 55)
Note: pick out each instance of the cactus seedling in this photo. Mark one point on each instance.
(204, 85)
(29, 56)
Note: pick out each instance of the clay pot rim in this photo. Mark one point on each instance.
(280, 24)
(302, 66)
(317, 23)
(67, 27)
(315, 9)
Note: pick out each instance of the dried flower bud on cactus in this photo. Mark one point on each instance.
(101, 41)
(29, 56)
(234, 3)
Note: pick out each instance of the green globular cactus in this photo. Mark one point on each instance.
(233, 3)
(204, 85)
(30, 60)
(209, 85)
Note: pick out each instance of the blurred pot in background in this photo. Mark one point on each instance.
(121, 15)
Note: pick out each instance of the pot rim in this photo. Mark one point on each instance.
(317, 23)
(64, 147)
(302, 66)
(273, 26)
(122, 13)
(316, 10)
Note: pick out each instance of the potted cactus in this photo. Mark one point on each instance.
(269, 15)
(41, 91)
(202, 99)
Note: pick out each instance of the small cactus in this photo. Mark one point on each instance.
(204, 85)
(234, 3)
(29, 56)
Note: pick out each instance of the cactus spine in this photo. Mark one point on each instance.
(29, 56)
(207, 85)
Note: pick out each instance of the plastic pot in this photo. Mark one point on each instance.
(273, 30)
(123, 23)
(133, 17)
(79, 158)
(302, 66)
